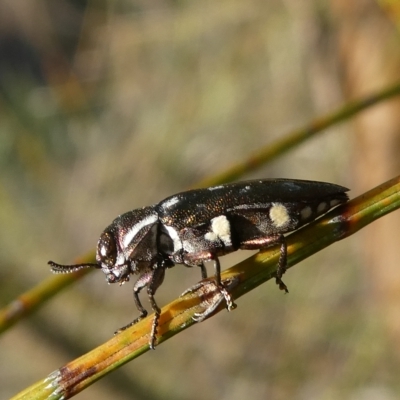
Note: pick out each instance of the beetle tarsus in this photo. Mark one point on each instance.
(282, 264)
(230, 303)
(135, 321)
(153, 333)
(281, 284)
(212, 295)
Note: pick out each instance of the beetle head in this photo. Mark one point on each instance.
(127, 246)
(111, 259)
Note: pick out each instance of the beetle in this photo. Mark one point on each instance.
(201, 225)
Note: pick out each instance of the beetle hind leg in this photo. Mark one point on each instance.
(265, 242)
(282, 265)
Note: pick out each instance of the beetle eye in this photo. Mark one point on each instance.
(106, 250)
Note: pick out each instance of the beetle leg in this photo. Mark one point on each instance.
(217, 269)
(156, 281)
(198, 259)
(152, 279)
(260, 243)
(203, 271)
(142, 281)
(211, 296)
(282, 266)
(230, 304)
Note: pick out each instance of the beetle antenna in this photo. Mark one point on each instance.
(67, 269)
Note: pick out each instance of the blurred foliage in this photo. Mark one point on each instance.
(108, 106)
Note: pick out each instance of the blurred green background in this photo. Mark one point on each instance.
(106, 106)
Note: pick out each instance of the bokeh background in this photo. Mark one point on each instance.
(106, 106)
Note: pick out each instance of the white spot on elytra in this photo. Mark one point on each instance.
(151, 219)
(211, 237)
(220, 229)
(279, 215)
(170, 202)
(306, 212)
(245, 189)
(322, 207)
(215, 188)
(334, 202)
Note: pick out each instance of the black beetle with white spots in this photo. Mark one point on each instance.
(201, 225)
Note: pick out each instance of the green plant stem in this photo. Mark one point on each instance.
(29, 301)
(341, 222)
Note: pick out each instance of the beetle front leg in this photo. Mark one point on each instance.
(142, 281)
(260, 243)
(156, 281)
(152, 279)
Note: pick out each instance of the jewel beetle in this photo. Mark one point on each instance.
(201, 225)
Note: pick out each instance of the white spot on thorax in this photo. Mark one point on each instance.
(279, 215)
(220, 229)
(130, 235)
(173, 234)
